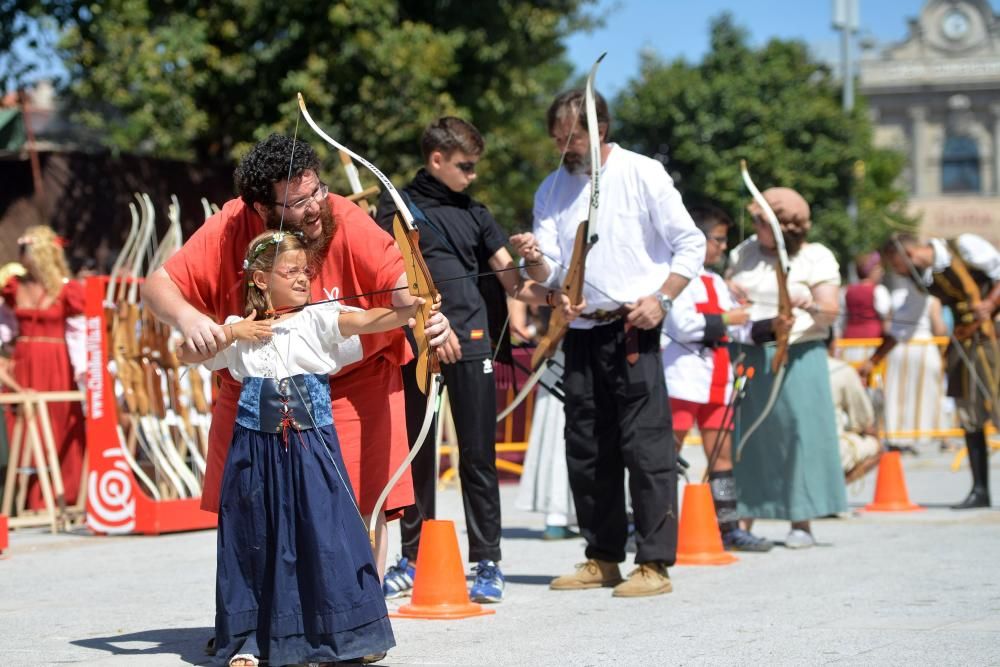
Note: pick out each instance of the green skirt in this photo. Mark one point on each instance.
(790, 466)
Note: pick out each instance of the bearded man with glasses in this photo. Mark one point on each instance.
(200, 286)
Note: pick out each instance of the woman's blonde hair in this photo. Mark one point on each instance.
(261, 254)
(48, 259)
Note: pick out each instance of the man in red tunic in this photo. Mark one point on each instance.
(201, 285)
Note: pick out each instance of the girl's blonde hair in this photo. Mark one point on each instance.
(261, 255)
(48, 259)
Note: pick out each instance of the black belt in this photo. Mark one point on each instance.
(605, 316)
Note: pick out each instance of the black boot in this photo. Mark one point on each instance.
(979, 462)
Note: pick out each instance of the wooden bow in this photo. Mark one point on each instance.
(781, 268)
(421, 284)
(586, 237)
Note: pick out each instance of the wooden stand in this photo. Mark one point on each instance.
(33, 451)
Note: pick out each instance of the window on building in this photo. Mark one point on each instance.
(960, 165)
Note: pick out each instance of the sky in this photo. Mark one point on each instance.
(679, 28)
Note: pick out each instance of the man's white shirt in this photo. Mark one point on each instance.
(644, 231)
(976, 251)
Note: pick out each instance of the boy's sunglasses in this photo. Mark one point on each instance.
(466, 167)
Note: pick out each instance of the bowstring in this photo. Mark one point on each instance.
(295, 309)
(274, 346)
(344, 482)
(284, 202)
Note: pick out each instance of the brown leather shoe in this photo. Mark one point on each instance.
(647, 579)
(592, 574)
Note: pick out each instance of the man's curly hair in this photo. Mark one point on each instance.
(267, 163)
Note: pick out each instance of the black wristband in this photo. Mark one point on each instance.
(762, 331)
(715, 329)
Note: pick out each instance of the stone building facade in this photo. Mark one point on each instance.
(936, 97)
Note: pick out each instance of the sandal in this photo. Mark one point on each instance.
(249, 660)
(365, 659)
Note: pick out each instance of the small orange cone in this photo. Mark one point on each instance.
(890, 487)
(439, 585)
(3, 532)
(698, 539)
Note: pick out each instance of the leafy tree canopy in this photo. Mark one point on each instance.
(193, 80)
(781, 111)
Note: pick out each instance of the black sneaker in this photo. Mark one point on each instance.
(738, 539)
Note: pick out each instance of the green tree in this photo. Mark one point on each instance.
(202, 81)
(778, 109)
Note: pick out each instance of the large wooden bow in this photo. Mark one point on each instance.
(420, 283)
(780, 360)
(586, 237)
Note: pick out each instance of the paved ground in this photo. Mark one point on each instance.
(919, 588)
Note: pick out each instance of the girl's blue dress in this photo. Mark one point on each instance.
(296, 580)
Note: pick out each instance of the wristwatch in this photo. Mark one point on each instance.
(666, 303)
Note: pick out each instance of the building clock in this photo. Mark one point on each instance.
(955, 24)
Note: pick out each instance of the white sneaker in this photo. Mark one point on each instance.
(799, 539)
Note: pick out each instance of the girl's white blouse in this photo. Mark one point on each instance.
(308, 342)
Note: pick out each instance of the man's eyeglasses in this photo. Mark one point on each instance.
(466, 167)
(317, 196)
(294, 272)
(719, 239)
(564, 141)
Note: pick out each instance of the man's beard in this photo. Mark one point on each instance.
(577, 163)
(317, 247)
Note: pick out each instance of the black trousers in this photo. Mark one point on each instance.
(618, 417)
(472, 393)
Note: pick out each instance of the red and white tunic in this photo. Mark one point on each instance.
(695, 354)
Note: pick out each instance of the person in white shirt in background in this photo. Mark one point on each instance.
(617, 411)
(699, 374)
(914, 385)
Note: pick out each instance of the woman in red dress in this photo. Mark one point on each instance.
(42, 300)
(866, 302)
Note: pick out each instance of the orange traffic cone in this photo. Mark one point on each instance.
(890, 487)
(3, 532)
(698, 539)
(439, 585)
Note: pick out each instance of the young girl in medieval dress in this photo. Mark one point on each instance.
(295, 582)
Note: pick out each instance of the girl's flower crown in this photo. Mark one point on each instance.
(276, 238)
(31, 240)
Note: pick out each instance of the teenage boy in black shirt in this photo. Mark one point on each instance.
(459, 237)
